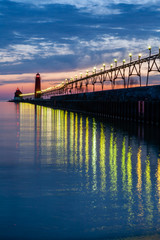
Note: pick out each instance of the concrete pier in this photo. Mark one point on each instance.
(140, 104)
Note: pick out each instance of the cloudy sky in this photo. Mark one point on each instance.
(60, 37)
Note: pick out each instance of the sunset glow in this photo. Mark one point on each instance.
(63, 39)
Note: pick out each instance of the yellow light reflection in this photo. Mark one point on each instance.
(62, 135)
(44, 123)
(148, 187)
(66, 134)
(123, 165)
(27, 129)
(129, 186)
(87, 146)
(94, 155)
(57, 131)
(139, 181)
(37, 132)
(76, 138)
(53, 122)
(58, 127)
(158, 183)
(71, 136)
(49, 129)
(80, 142)
(18, 124)
(87, 152)
(139, 171)
(46, 134)
(103, 159)
(113, 163)
(129, 169)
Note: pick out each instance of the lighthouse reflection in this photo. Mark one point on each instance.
(112, 164)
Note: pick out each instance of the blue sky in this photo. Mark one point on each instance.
(62, 36)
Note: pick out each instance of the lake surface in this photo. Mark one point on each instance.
(65, 175)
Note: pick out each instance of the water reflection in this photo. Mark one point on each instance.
(65, 135)
(113, 163)
(94, 155)
(129, 186)
(110, 161)
(81, 142)
(148, 187)
(158, 183)
(102, 158)
(123, 165)
(87, 153)
(37, 134)
(27, 138)
(87, 146)
(139, 182)
(76, 139)
(71, 143)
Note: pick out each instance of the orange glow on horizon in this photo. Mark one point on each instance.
(26, 82)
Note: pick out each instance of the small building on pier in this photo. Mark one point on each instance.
(17, 94)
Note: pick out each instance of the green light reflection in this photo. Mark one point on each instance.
(103, 159)
(71, 136)
(123, 164)
(76, 139)
(113, 164)
(66, 135)
(87, 146)
(94, 155)
(148, 188)
(87, 153)
(139, 182)
(129, 186)
(158, 183)
(81, 142)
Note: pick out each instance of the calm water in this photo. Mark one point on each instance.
(68, 176)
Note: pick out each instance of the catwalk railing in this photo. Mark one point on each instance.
(124, 72)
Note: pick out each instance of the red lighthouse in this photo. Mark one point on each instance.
(17, 95)
(37, 86)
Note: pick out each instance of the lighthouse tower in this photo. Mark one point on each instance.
(37, 86)
(17, 95)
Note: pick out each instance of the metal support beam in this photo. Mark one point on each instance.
(110, 75)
